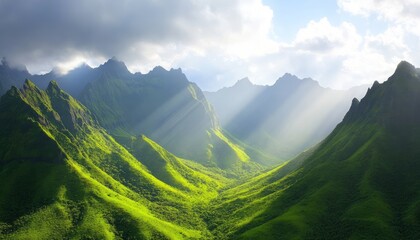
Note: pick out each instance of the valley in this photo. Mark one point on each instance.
(102, 153)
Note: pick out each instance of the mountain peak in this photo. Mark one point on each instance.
(28, 84)
(244, 82)
(405, 66)
(289, 76)
(174, 76)
(114, 61)
(288, 79)
(404, 70)
(53, 87)
(353, 109)
(158, 69)
(115, 66)
(394, 102)
(14, 91)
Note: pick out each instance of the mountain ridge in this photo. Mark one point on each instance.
(71, 179)
(161, 104)
(283, 119)
(63, 176)
(361, 182)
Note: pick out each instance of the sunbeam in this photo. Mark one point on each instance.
(283, 119)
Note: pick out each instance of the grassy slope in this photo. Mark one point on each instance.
(362, 182)
(359, 183)
(167, 108)
(174, 171)
(367, 192)
(244, 200)
(84, 184)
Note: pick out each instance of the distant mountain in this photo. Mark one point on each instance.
(283, 119)
(166, 107)
(11, 76)
(62, 176)
(74, 81)
(361, 182)
(231, 101)
(161, 104)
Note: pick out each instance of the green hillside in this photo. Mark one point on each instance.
(362, 182)
(161, 104)
(63, 176)
(164, 106)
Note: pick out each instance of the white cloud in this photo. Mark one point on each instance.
(142, 33)
(366, 7)
(339, 56)
(320, 36)
(398, 42)
(404, 13)
(215, 42)
(390, 43)
(336, 55)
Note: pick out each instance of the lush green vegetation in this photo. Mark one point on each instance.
(63, 176)
(362, 182)
(161, 104)
(61, 166)
(166, 107)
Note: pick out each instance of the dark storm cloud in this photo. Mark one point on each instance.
(48, 26)
(56, 29)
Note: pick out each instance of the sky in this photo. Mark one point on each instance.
(339, 43)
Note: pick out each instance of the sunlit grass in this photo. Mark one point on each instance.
(96, 188)
(238, 151)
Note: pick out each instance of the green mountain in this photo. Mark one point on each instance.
(169, 109)
(283, 119)
(62, 176)
(161, 104)
(361, 182)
